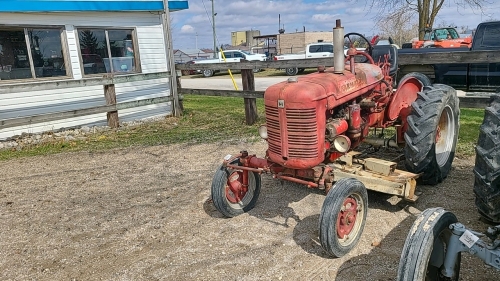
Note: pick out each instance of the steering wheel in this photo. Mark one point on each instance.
(350, 38)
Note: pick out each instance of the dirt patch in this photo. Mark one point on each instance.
(145, 214)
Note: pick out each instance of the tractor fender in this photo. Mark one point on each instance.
(406, 94)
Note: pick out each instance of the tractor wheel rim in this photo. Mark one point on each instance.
(445, 136)
(237, 195)
(348, 217)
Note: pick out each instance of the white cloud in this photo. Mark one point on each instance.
(329, 18)
(187, 29)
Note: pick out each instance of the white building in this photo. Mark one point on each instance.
(67, 40)
(185, 55)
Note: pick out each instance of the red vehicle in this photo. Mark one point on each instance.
(446, 37)
(314, 123)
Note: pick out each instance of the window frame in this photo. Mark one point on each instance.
(135, 43)
(64, 48)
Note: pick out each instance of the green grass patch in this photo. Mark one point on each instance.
(205, 119)
(470, 121)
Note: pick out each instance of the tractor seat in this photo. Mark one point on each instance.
(378, 53)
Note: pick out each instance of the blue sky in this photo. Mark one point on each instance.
(192, 28)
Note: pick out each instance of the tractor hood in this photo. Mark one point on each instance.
(335, 88)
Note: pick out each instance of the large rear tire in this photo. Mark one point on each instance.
(425, 247)
(229, 194)
(343, 217)
(432, 134)
(487, 167)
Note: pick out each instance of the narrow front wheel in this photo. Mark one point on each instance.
(343, 216)
(235, 192)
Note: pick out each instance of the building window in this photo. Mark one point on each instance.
(107, 51)
(31, 53)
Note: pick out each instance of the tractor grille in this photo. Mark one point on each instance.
(273, 130)
(302, 130)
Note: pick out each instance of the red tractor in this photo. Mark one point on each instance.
(314, 123)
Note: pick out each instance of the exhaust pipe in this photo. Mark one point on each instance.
(338, 48)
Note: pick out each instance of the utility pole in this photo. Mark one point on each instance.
(196, 34)
(213, 29)
(169, 55)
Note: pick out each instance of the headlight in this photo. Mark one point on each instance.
(263, 132)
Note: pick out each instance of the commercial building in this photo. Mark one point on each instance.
(44, 41)
(296, 42)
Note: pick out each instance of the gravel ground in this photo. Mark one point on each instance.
(145, 214)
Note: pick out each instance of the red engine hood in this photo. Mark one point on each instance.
(296, 112)
(336, 88)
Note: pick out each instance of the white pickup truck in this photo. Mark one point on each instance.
(231, 56)
(313, 51)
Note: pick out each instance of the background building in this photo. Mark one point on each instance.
(185, 55)
(72, 40)
(245, 38)
(297, 42)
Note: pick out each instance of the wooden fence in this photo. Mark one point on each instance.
(110, 108)
(248, 93)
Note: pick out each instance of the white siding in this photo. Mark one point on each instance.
(152, 57)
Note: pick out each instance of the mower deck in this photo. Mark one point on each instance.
(377, 175)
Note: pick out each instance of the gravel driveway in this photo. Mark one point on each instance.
(145, 214)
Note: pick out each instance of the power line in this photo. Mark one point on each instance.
(211, 23)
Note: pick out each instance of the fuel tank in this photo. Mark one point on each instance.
(296, 112)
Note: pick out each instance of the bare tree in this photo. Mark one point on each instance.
(401, 25)
(427, 9)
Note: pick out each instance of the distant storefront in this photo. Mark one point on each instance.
(58, 40)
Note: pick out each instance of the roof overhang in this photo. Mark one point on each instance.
(46, 6)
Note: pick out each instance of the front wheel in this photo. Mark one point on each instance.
(425, 248)
(432, 134)
(230, 194)
(291, 71)
(343, 217)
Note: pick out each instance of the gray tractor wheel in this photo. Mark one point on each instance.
(425, 247)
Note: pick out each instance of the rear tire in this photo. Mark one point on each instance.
(343, 217)
(291, 71)
(487, 167)
(425, 247)
(231, 203)
(432, 134)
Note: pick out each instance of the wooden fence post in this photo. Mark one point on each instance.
(110, 95)
(178, 75)
(248, 81)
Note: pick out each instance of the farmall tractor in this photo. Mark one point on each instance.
(315, 122)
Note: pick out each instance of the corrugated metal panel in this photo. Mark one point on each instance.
(152, 55)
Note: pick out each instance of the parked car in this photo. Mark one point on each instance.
(231, 56)
(187, 72)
